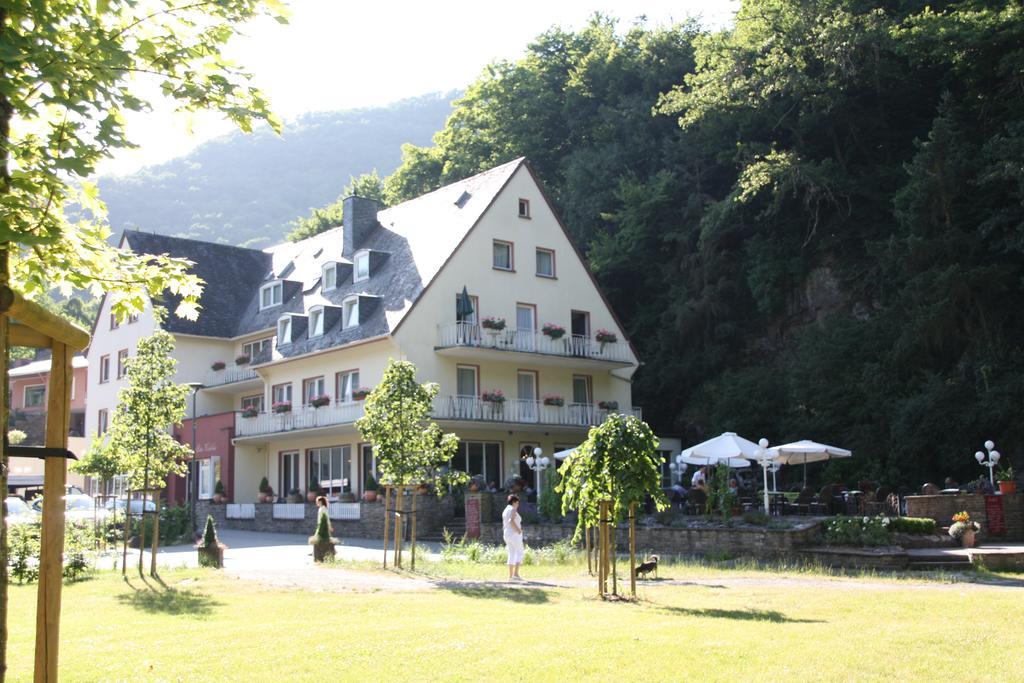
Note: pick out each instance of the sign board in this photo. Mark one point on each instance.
(995, 515)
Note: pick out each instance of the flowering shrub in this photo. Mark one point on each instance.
(554, 400)
(242, 359)
(962, 524)
(552, 330)
(606, 336)
(320, 401)
(494, 396)
(858, 531)
(361, 393)
(217, 365)
(492, 323)
(282, 407)
(608, 405)
(250, 412)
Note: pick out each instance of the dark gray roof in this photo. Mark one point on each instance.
(409, 246)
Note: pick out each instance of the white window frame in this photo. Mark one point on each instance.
(275, 288)
(122, 363)
(286, 392)
(331, 268)
(24, 396)
(360, 257)
(348, 307)
(551, 255)
(313, 387)
(316, 322)
(511, 255)
(524, 208)
(336, 483)
(346, 384)
(206, 483)
(254, 348)
(104, 369)
(284, 325)
(255, 401)
(102, 421)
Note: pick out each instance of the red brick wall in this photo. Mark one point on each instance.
(941, 508)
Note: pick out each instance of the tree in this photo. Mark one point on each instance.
(617, 464)
(368, 186)
(100, 462)
(139, 436)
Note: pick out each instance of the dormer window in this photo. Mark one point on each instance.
(350, 313)
(316, 322)
(284, 331)
(361, 266)
(330, 277)
(270, 295)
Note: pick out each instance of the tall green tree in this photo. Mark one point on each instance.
(140, 437)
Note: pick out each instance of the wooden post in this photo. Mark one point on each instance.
(586, 546)
(632, 549)
(127, 528)
(397, 561)
(611, 555)
(156, 534)
(51, 561)
(387, 521)
(4, 463)
(412, 531)
(602, 534)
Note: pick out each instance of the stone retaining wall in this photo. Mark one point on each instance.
(941, 508)
(432, 514)
(750, 542)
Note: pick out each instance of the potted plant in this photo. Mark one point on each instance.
(963, 529)
(250, 411)
(210, 550)
(346, 497)
(552, 330)
(282, 407)
(493, 396)
(320, 401)
(477, 483)
(217, 365)
(423, 489)
(294, 496)
(493, 324)
(360, 394)
(321, 540)
(218, 493)
(1007, 484)
(608, 405)
(242, 359)
(554, 400)
(313, 490)
(605, 337)
(266, 493)
(370, 489)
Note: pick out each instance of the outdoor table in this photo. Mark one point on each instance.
(950, 491)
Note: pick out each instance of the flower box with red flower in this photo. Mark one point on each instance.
(282, 407)
(553, 400)
(320, 401)
(250, 412)
(552, 330)
(361, 393)
(493, 323)
(242, 359)
(608, 405)
(218, 365)
(493, 396)
(605, 337)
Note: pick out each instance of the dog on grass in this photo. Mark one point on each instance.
(645, 568)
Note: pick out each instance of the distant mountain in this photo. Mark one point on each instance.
(245, 189)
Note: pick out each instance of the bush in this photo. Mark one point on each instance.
(756, 518)
(78, 542)
(912, 525)
(174, 525)
(23, 540)
(857, 531)
(550, 500)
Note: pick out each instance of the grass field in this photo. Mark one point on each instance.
(696, 623)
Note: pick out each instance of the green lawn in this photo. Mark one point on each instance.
(205, 626)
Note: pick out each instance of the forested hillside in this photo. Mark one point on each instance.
(245, 189)
(811, 224)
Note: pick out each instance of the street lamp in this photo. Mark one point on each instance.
(993, 460)
(678, 467)
(538, 462)
(762, 456)
(191, 485)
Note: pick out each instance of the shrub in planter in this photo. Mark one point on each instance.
(242, 359)
(608, 405)
(210, 550)
(282, 407)
(912, 525)
(266, 494)
(320, 401)
(554, 400)
(294, 496)
(321, 540)
(605, 337)
(370, 489)
(218, 365)
(1007, 483)
(313, 490)
(552, 330)
(360, 394)
(493, 396)
(250, 412)
(493, 323)
(219, 495)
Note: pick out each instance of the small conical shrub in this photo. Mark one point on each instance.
(210, 534)
(264, 485)
(323, 529)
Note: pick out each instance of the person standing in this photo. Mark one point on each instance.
(512, 530)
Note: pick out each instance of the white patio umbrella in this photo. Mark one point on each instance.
(805, 451)
(562, 455)
(722, 448)
(766, 458)
(735, 463)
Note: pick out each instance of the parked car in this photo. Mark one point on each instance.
(117, 506)
(77, 506)
(19, 512)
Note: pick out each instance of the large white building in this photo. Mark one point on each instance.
(322, 317)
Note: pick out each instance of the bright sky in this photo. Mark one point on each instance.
(342, 55)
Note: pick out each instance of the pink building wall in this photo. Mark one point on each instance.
(213, 437)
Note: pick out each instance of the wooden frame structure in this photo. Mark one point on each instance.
(395, 527)
(605, 550)
(25, 323)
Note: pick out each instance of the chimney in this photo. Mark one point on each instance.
(359, 217)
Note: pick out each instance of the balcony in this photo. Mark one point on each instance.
(521, 411)
(302, 417)
(232, 378)
(470, 340)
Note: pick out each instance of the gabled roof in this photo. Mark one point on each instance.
(42, 367)
(418, 237)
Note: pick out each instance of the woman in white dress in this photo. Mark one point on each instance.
(512, 530)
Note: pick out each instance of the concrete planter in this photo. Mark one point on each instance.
(212, 556)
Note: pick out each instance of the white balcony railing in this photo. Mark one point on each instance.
(521, 411)
(301, 417)
(229, 375)
(529, 341)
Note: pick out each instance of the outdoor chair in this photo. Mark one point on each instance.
(826, 501)
(930, 489)
(802, 504)
(696, 502)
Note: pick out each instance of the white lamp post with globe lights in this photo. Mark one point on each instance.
(538, 462)
(991, 462)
